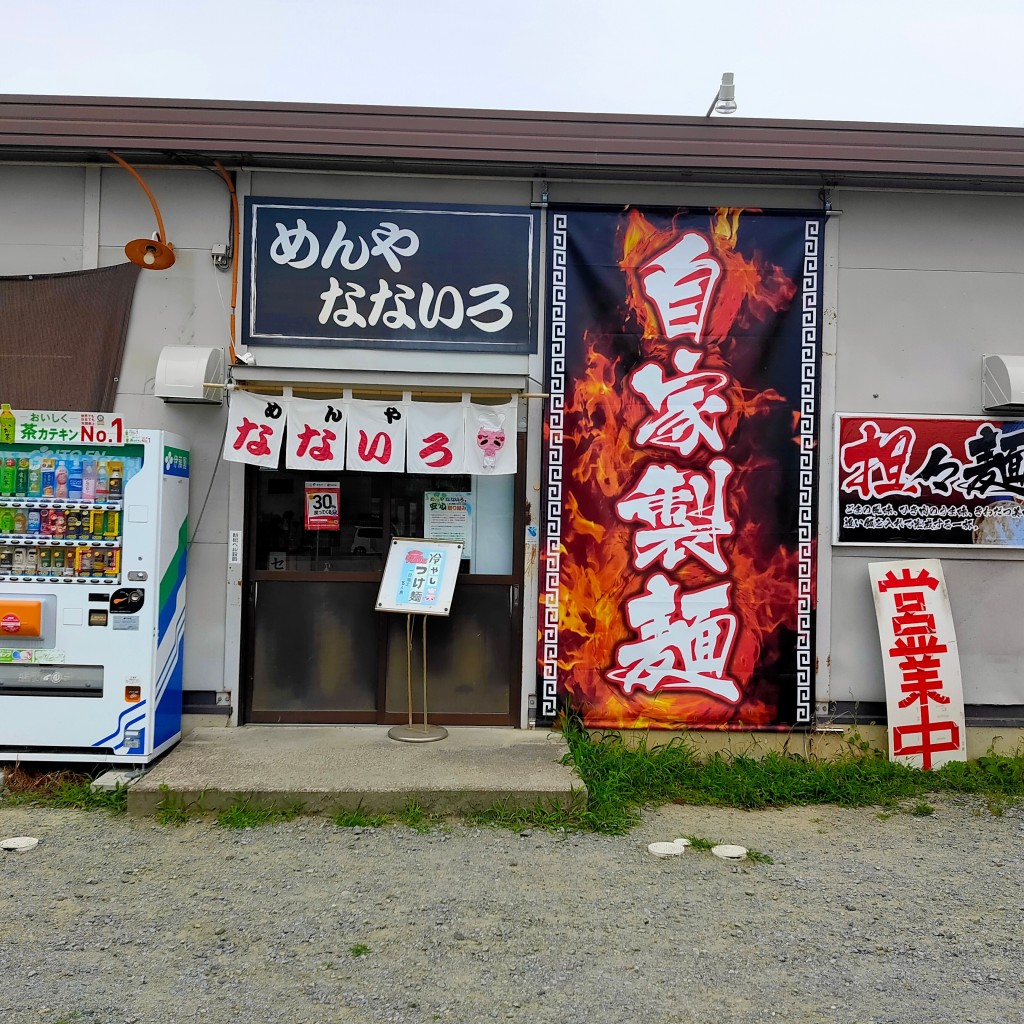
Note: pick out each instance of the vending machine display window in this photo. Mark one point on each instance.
(62, 512)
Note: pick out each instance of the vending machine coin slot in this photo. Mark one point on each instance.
(127, 601)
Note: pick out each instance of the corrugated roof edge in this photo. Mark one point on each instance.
(514, 141)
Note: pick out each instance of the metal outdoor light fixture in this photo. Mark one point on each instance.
(154, 253)
(725, 99)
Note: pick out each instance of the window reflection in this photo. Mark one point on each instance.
(373, 508)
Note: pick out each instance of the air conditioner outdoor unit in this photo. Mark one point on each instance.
(1002, 385)
(186, 373)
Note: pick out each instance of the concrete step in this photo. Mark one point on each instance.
(330, 768)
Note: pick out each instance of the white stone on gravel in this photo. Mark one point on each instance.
(726, 851)
(665, 849)
(19, 844)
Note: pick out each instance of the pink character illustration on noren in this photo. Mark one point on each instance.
(490, 438)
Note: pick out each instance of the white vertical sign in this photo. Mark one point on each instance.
(923, 688)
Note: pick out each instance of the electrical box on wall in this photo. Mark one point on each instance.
(1002, 384)
(186, 373)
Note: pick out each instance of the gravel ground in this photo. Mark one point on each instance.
(861, 918)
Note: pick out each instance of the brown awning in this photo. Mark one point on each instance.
(62, 337)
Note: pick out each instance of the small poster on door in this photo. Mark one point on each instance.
(448, 515)
(322, 504)
(419, 577)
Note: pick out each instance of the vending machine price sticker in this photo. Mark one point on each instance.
(13, 655)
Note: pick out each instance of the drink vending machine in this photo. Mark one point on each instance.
(93, 537)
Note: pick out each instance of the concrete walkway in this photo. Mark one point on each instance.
(330, 768)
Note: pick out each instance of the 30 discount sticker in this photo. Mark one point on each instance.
(322, 506)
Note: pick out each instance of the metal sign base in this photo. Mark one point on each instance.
(417, 733)
(410, 733)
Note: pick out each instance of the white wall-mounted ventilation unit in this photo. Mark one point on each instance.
(185, 373)
(1002, 385)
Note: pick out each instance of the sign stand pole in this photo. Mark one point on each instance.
(410, 733)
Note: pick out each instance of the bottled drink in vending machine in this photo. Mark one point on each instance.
(8, 475)
(34, 524)
(21, 488)
(97, 524)
(35, 476)
(75, 478)
(115, 484)
(60, 477)
(20, 522)
(88, 478)
(49, 476)
(102, 481)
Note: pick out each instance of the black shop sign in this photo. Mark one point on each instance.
(359, 275)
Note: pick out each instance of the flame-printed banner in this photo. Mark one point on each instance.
(681, 468)
(931, 480)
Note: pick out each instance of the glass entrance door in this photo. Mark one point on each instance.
(318, 651)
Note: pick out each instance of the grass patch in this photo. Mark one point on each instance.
(360, 949)
(245, 814)
(622, 779)
(700, 843)
(359, 819)
(552, 816)
(62, 788)
(415, 817)
(175, 810)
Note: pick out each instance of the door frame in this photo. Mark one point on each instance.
(251, 577)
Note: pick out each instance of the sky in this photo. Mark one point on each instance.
(906, 61)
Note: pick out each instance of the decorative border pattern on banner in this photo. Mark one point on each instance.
(805, 522)
(553, 504)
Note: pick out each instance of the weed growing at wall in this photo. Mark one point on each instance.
(60, 788)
